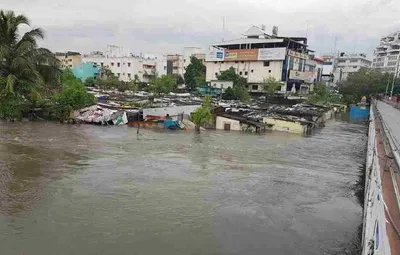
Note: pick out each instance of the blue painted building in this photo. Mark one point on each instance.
(86, 70)
(206, 90)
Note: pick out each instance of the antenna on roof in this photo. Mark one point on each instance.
(223, 28)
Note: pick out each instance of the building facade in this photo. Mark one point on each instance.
(188, 52)
(387, 54)
(175, 64)
(258, 56)
(69, 59)
(127, 66)
(86, 70)
(350, 63)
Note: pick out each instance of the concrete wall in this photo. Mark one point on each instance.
(374, 209)
(172, 111)
(221, 121)
(256, 71)
(285, 126)
(86, 70)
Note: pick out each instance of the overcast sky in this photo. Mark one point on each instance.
(166, 26)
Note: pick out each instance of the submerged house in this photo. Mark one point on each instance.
(298, 119)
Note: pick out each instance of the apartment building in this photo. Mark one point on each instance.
(126, 65)
(189, 52)
(387, 54)
(350, 63)
(257, 56)
(69, 59)
(176, 64)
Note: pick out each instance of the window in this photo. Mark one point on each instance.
(269, 71)
(102, 64)
(242, 62)
(70, 66)
(266, 63)
(123, 74)
(254, 87)
(118, 74)
(246, 73)
(342, 61)
(129, 75)
(236, 62)
(216, 74)
(118, 64)
(252, 71)
(95, 64)
(355, 67)
(112, 63)
(129, 64)
(240, 73)
(353, 60)
(215, 62)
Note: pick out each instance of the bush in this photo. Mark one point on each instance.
(72, 97)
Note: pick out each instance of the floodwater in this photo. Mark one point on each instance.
(68, 189)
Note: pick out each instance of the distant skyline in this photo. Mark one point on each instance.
(167, 26)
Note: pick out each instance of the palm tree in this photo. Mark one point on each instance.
(25, 69)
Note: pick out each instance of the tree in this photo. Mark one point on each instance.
(73, 96)
(25, 69)
(163, 84)
(270, 85)
(239, 84)
(202, 115)
(90, 82)
(229, 94)
(322, 95)
(180, 80)
(363, 83)
(194, 74)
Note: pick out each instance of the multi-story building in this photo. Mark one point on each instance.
(69, 59)
(175, 64)
(125, 65)
(189, 52)
(350, 63)
(387, 54)
(258, 56)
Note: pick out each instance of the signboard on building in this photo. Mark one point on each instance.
(272, 54)
(301, 76)
(297, 54)
(215, 55)
(241, 55)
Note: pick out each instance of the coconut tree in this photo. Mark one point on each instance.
(26, 70)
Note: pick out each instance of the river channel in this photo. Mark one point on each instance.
(70, 189)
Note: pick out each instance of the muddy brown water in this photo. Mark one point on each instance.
(68, 189)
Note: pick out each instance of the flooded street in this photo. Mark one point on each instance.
(68, 189)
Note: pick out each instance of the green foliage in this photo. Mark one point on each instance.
(239, 84)
(180, 80)
(229, 94)
(322, 95)
(363, 83)
(195, 74)
(90, 82)
(26, 71)
(163, 85)
(73, 96)
(270, 85)
(11, 106)
(202, 115)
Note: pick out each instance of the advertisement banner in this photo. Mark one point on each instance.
(272, 54)
(301, 76)
(297, 54)
(215, 55)
(241, 55)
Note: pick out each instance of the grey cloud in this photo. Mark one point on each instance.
(166, 26)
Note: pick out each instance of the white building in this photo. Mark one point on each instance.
(175, 65)
(188, 52)
(386, 55)
(350, 63)
(125, 65)
(258, 56)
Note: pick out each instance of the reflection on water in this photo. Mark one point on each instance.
(102, 190)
